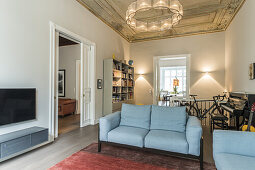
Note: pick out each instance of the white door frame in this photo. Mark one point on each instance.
(156, 74)
(88, 62)
(77, 84)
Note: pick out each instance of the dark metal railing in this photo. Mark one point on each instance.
(204, 106)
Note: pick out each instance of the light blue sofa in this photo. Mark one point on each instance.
(154, 128)
(234, 150)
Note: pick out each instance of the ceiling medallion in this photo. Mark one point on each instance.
(154, 15)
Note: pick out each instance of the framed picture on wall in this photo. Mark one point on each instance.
(61, 83)
(252, 71)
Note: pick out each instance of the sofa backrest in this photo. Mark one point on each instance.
(168, 118)
(135, 116)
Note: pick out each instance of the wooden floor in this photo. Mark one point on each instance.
(68, 123)
(208, 153)
(69, 143)
(49, 155)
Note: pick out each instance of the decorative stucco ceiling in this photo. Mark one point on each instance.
(200, 16)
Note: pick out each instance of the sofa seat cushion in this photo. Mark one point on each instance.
(226, 161)
(168, 118)
(135, 116)
(128, 135)
(167, 141)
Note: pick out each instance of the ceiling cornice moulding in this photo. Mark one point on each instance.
(200, 17)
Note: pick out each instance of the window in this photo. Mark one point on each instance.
(167, 76)
(166, 69)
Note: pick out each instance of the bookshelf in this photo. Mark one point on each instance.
(118, 85)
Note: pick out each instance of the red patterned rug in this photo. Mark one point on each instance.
(118, 158)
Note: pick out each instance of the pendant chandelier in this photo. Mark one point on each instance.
(154, 15)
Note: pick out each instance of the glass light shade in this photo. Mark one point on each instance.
(127, 14)
(175, 19)
(181, 10)
(132, 23)
(175, 6)
(154, 26)
(141, 26)
(160, 3)
(143, 4)
(179, 17)
(166, 24)
(131, 9)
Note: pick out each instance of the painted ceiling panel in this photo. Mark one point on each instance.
(200, 16)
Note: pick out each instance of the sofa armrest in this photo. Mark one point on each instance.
(193, 135)
(107, 123)
(234, 142)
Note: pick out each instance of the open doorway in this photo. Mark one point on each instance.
(171, 78)
(68, 85)
(84, 80)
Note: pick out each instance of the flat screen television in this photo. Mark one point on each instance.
(17, 105)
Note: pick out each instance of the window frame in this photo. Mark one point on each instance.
(163, 76)
(156, 74)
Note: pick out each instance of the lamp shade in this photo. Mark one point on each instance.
(143, 4)
(176, 82)
(154, 15)
(160, 3)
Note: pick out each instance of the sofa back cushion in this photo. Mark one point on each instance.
(168, 118)
(135, 116)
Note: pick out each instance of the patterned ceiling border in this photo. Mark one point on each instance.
(234, 8)
(90, 10)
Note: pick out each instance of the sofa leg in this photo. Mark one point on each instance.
(201, 159)
(99, 146)
(201, 163)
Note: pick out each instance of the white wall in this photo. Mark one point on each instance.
(24, 52)
(207, 55)
(67, 61)
(172, 62)
(25, 47)
(240, 49)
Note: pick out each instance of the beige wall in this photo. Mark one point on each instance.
(207, 55)
(240, 49)
(67, 60)
(25, 47)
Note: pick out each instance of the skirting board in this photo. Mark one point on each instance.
(91, 122)
(94, 122)
(86, 123)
